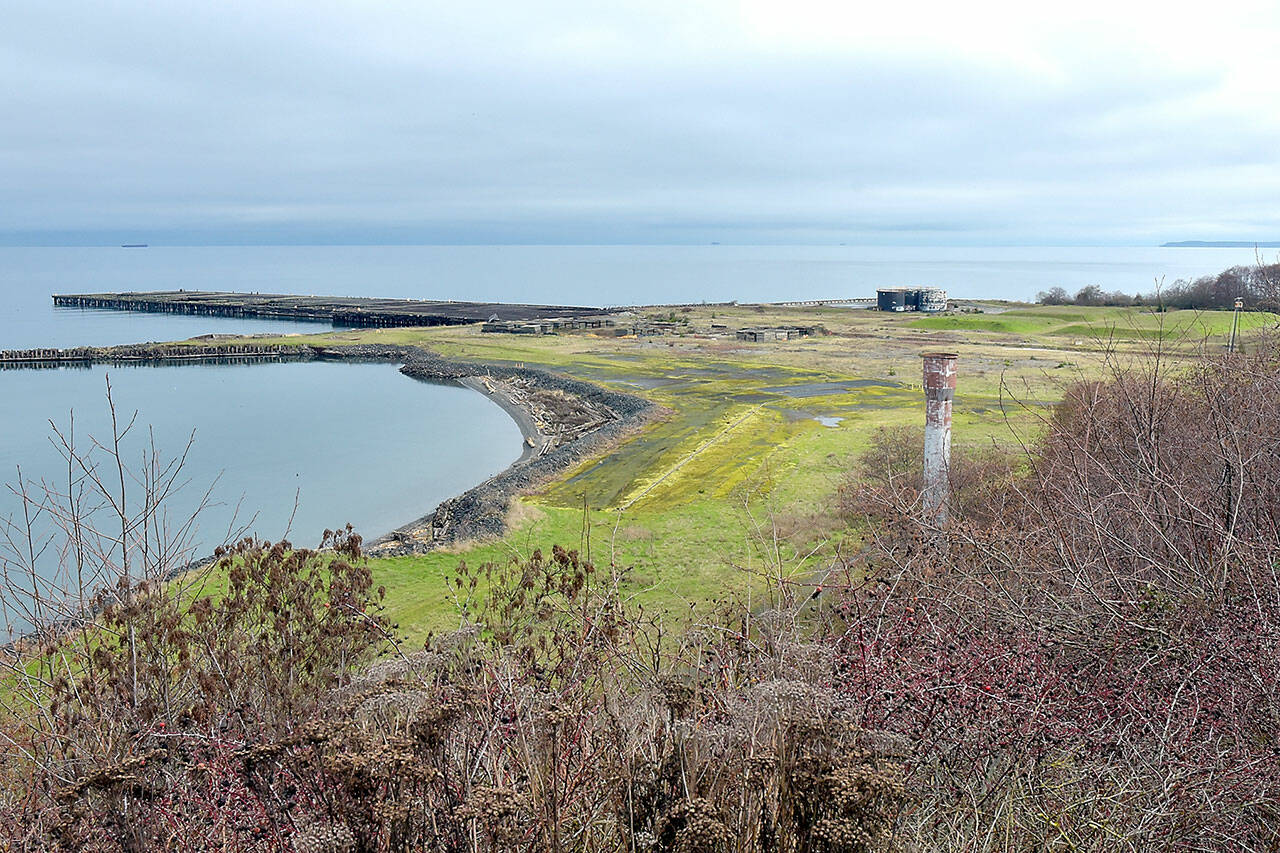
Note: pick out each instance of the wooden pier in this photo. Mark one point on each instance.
(154, 353)
(824, 303)
(335, 310)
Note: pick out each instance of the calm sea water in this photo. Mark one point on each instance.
(362, 443)
(572, 275)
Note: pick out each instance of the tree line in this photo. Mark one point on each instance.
(1257, 285)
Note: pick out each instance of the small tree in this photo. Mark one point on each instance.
(142, 681)
(1054, 296)
(1090, 295)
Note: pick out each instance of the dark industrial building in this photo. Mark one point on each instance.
(929, 299)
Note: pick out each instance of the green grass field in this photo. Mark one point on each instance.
(1101, 324)
(740, 477)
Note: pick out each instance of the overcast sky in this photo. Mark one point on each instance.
(1094, 122)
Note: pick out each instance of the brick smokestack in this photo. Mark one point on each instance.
(939, 389)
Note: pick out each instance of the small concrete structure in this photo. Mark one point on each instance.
(545, 327)
(785, 333)
(932, 299)
(515, 327)
(654, 328)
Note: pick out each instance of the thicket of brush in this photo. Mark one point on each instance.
(1086, 658)
(557, 718)
(1090, 662)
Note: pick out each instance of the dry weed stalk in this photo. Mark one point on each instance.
(1090, 663)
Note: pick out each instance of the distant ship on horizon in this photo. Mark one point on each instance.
(133, 245)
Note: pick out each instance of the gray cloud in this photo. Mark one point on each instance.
(571, 123)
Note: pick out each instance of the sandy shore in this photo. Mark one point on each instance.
(529, 432)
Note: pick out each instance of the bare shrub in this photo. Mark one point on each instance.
(889, 478)
(1087, 659)
(143, 687)
(148, 724)
(559, 717)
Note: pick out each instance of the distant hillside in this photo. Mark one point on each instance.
(1221, 244)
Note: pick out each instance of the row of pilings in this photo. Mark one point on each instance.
(49, 356)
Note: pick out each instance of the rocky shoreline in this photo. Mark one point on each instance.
(563, 421)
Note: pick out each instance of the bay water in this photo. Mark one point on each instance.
(565, 275)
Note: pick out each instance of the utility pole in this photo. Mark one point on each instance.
(1235, 324)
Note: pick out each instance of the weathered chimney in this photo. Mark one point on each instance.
(939, 389)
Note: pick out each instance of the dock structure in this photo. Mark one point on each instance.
(335, 310)
(159, 353)
(860, 302)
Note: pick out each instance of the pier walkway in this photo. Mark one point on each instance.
(820, 303)
(336, 310)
